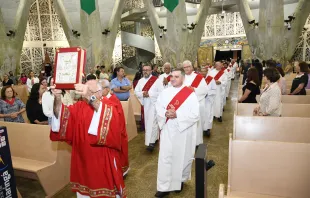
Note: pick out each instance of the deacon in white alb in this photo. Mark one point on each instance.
(228, 72)
(197, 83)
(177, 110)
(221, 80)
(234, 68)
(166, 76)
(209, 101)
(147, 91)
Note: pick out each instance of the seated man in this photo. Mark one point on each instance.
(121, 85)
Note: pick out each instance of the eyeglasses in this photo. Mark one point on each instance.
(146, 70)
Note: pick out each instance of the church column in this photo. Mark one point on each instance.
(11, 46)
(271, 39)
(178, 43)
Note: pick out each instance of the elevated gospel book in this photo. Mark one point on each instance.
(69, 67)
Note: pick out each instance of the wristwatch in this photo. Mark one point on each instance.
(92, 99)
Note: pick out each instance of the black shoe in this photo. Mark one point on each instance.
(151, 147)
(207, 133)
(220, 119)
(178, 191)
(161, 194)
(209, 164)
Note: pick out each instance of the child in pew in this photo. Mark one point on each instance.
(270, 100)
(11, 108)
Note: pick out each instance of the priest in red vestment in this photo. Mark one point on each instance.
(124, 148)
(93, 130)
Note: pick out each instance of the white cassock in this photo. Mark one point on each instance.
(177, 140)
(161, 79)
(229, 77)
(220, 92)
(234, 70)
(150, 121)
(209, 105)
(201, 92)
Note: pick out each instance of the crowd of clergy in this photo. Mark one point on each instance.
(178, 107)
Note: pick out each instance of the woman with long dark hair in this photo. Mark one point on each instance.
(34, 105)
(251, 89)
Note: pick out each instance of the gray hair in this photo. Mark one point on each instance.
(187, 62)
(167, 64)
(104, 83)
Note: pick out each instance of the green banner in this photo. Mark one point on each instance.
(171, 4)
(89, 6)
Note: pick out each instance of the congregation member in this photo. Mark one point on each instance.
(6, 81)
(43, 82)
(121, 85)
(251, 88)
(147, 91)
(177, 110)
(92, 128)
(103, 74)
(270, 99)
(245, 69)
(23, 78)
(11, 108)
(92, 74)
(300, 82)
(166, 76)
(196, 83)
(34, 105)
(259, 68)
(218, 74)
(31, 80)
(13, 78)
(282, 80)
(209, 102)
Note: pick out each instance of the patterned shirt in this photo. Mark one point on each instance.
(270, 100)
(6, 108)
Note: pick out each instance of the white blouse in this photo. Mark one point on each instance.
(30, 84)
(270, 100)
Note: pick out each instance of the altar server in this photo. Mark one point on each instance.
(197, 83)
(147, 91)
(218, 74)
(177, 110)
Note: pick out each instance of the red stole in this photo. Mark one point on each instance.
(197, 81)
(168, 78)
(219, 75)
(209, 79)
(179, 99)
(10, 102)
(149, 83)
(228, 70)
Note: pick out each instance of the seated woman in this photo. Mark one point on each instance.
(7, 81)
(270, 99)
(34, 105)
(11, 108)
(300, 82)
(282, 80)
(251, 89)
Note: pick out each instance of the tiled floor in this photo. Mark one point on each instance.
(141, 181)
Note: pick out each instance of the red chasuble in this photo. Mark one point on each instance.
(219, 74)
(95, 160)
(197, 80)
(122, 122)
(209, 79)
(179, 99)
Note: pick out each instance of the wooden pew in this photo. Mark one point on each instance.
(131, 125)
(35, 156)
(289, 91)
(293, 99)
(284, 129)
(135, 105)
(259, 169)
(288, 110)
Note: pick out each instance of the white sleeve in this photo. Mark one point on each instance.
(55, 125)
(139, 92)
(93, 128)
(47, 104)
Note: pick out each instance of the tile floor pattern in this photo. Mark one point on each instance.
(141, 180)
